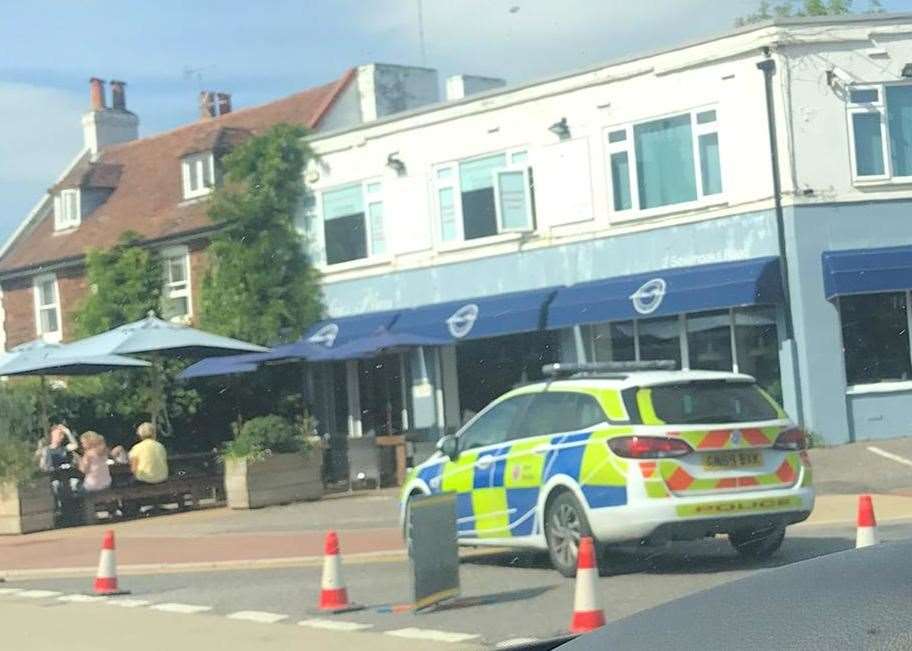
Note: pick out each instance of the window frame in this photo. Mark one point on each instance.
(863, 387)
(628, 146)
(198, 161)
(62, 219)
(452, 182)
(168, 291)
(866, 108)
(368, 197)
(51, 336)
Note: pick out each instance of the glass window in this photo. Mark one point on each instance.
(660, 339)
(47, 307)
(554, 412)
(447, 214)
(710, 167)
(176, 292)
(709, 341)
(620, 180)
(613, 342)
(711, 402)
(664, 159)
(513, 201)
(757, 346)
(343, 224)
(494, 425)
(863, 95)
(875, 337)
(198, 174)
(868, 144)
(476, 184)
(378, 239)
(617, 136)
(705, 117)
(899, 123)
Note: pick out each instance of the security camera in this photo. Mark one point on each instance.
(838, 73)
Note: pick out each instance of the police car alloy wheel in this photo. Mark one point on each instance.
(758, 544)
(565, 522)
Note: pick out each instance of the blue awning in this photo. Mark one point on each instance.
(865, 271)
(491, 316)
(669, 291)
(330, 333)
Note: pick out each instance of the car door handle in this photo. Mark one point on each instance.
(484, 462)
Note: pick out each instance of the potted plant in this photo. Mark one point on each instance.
(272, 460)
(26, 499)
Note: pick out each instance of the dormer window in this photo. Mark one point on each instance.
(67, 212)
(198, 174)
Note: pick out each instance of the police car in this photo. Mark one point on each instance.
(623, 454)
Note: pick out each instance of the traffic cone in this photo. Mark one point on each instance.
(587, 615)
(866, 534)
(106, 578)
(333, 594)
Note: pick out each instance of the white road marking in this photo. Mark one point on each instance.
(506, 644)
(431, 634)
(334, 625)
(39, 594)
(127, 603)
(9, 591)
(257, 616)
(185, 609)
(889, 455)
(80, 598)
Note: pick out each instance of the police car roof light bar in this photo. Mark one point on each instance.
(606, 368)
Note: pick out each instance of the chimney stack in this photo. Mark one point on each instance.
(224, 103)
(118, 95)
(206, 104)
(97, 94)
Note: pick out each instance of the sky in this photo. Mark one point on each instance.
(167, 51)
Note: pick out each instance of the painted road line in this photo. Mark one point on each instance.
(334, 625)
(9, 591)
(889, 455)
(185, 609)
(516, 641)
(38, 594)
(80, 598)
(127, 603)
(431, 634)
(257, 616)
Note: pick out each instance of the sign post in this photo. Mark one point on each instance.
(433, 551)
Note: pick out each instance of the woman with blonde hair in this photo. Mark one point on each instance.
(93, 463)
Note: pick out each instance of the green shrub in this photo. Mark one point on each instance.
(259, 437)
(17, 460)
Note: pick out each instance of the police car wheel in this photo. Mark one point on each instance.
(758, 543)
(565, 522)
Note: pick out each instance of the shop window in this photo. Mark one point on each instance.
(484, 196)
(875, 337)
(353, 222)
(880, 122)
(614, 342)
(709, 342)
(669, 161)
(660, 339)
(757, 347)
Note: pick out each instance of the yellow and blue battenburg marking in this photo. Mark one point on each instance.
(499, 500)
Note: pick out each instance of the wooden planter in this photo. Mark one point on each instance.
(277, 479)
(26, 507)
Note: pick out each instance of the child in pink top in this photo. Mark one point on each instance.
(93, 464)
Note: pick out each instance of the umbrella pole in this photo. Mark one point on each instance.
(44, 422)
(156, 401)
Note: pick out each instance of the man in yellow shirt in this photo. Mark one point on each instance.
(148, 458)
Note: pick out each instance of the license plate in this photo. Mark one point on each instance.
(732, 459)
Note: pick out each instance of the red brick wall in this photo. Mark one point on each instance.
(199, 263)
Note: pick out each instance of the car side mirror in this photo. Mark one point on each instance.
(449, 445)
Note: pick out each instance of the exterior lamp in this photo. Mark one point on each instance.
(395, 163)
(560, 129)
(907, 71)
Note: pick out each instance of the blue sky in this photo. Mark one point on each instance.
(270, 48)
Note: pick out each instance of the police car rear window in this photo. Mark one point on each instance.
(693, 403)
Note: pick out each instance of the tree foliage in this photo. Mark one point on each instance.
(260, 285)
(767, 9)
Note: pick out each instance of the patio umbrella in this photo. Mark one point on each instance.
(157, 338)
(41, 358)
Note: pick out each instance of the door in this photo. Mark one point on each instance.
(477, 474)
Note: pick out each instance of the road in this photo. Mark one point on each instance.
(506, 596)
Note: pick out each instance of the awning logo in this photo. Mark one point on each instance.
(463, 320)
(325, 336)
(648, 297)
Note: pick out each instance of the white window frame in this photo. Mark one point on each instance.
(628, 145)
(452, 182)
(169, 291)
(63, 220)
(52, 336)
(878, 107)
(372, 192)
(198, 162)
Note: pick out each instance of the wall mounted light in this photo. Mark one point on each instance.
(907, 71)
(395, 163)
(560, 129)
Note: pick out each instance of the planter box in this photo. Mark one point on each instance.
(25, 508)
(278, 479)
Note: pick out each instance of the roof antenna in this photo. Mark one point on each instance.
(421, 34)
(196, 73)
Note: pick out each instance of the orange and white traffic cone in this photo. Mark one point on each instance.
(333, 594)
(587, 614)
(866, 534)
(106, 578)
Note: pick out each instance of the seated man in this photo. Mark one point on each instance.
(148, 458)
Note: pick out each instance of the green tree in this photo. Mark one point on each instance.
(260, 285)
(125, 283)
(766, 9)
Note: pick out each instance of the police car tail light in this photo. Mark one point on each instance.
(648, 447)
(791, 439)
